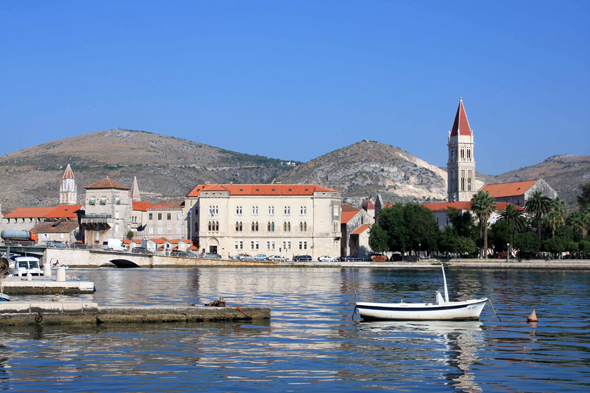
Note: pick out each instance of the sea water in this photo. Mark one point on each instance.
(312, 341)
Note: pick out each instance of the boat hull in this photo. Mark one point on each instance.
(468, 310)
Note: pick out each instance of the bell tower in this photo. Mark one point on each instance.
(461, 163)
(68, 191)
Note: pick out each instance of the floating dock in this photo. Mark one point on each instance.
(68, 313)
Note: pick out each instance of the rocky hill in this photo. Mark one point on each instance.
(165, 166)
(170, 167)
(563, 172)
(366, 168)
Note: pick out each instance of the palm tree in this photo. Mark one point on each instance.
(483, 205)
(538, 205)
(557, 215)
(515, 220)
(576, 221)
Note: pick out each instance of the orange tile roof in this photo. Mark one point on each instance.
(159, 241)
(260, 189)
(30, 212)
(440, 206)
(461, 125)
(348, 208)
(360, 229)
(167, 205)
(55, 227)
(141, 206)
(64, 211)
(106, 184)
(348, 215)
(508, 189)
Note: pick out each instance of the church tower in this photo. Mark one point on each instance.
(68, 191)
(461, 164)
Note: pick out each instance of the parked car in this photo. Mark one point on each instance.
(210, 255)
(182, 254)
(276, 258)
(260, 257)
(141, 250)
(56, 244)
(245, 257)
(353, 258)
(326, 258)
(302, 258)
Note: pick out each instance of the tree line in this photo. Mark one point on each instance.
(545, 227)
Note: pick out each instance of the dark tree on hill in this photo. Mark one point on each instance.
(538, 205)
(483, 205)
(584, 199)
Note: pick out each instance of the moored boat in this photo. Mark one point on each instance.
(441, 310)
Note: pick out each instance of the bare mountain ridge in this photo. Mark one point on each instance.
(368, 168)
(165, 166)
(170, 167)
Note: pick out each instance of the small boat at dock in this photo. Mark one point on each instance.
(441, 310)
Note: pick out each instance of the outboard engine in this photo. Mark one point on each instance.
(5, 266)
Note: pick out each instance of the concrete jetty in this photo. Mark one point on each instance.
(45, 286)
(68, 313)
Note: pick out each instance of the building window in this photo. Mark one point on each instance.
(169, 231)
(169, 216)
(254, 245)
(117, 201)
(287, 210)
(238, 209)
(303, 245)
(271, 226)
(213, 226)
(103, 201)
(239, 226)
(303, 210)
(178, 231)
(255, 210)
(92, 201)
(150, 216)
(335, 227)
(159, 231)
(213, 210)
(150, 231)
(303, 226)
(160, 216)
(254, 226)
(336, 211)
(287, 227)
(271, 210)
(178, 216)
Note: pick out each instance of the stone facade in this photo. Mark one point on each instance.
(280, 219)
(461, 162)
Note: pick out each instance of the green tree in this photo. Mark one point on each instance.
(378, 239)
(514, 219)
(584, 199)
(463, 222)
(538, 205)
(576, 221)
(449, 240)
(130, 235)
(422, 225)
(483, 205)
(526, 244)
(556, 217)
(466, 246)
(391, 220)
(499, 235)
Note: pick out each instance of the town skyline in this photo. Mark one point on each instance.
(297, 80)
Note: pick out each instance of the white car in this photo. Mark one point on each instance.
(326, 258)
(276, 258)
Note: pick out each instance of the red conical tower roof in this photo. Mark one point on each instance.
(461, 125)
(68, 174)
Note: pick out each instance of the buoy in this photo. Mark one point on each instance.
(532, 317)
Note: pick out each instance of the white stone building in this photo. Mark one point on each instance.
(461, 162)
(271, 219)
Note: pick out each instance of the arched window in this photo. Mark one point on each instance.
(217, 225)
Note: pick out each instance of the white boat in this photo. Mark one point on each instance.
(22, 265)
(441, 310)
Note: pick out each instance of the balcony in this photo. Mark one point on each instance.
(96, 221)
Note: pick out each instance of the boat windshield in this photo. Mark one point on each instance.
(23, 265)
(33, 264)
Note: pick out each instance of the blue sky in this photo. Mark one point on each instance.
(298, 79)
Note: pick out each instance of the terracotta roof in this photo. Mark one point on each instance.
(68, 174)
(360, 229)
(141, 206)
(159, 241)
(187, 241)
(508, 189)
(30, 212)
(261, 189)
(348, 208)
(167, 205)
(461, 125)
(348, 215)
(55, 227)
(64, 211)
(369, 205)
(440, 206)
(106, 184)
